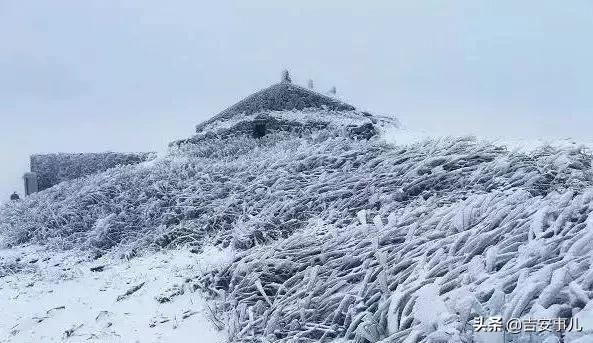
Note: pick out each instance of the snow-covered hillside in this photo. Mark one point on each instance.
(333, 237)
(64, 297)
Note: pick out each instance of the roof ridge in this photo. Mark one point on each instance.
(277, 97)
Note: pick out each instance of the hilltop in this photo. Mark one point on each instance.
(335, 234)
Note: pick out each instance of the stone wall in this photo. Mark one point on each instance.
(52, 169)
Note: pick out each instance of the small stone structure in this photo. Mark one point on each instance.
(287, 107)
(48, 170)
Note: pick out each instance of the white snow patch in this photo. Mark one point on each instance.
(60, 297)
(429, 307)
(404, 136)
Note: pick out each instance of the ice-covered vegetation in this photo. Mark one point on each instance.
(346, 238)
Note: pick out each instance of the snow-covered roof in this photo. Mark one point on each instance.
(281, 96)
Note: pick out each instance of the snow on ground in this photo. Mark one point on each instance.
(404, 135)
(57, 297)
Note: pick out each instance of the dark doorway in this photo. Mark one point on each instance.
(259, 129)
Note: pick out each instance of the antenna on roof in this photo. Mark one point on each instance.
(285, 77)
(332, 91)
(310, 84)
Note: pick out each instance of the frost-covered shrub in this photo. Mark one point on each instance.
(420, 273)
(275, 184)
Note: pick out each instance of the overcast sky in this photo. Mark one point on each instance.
(132, 75)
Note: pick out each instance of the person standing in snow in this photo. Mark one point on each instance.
(15, 197)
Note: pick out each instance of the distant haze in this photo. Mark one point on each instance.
(132, 75)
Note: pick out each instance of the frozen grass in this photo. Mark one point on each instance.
(502, 253)
(339, 237)
(269, 188)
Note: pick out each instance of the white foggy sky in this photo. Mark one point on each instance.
(132, 75)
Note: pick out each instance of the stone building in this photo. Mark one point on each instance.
(285, 106)
(48, 170)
